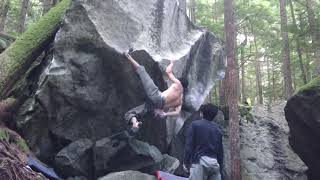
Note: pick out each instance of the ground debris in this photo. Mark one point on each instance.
(13, 164)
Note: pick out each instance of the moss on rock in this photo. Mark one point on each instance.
(15, 59)
(312, 86)
(13, 138)
(4, 136)
(245, 111)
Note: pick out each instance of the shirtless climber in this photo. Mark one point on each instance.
(157, 101)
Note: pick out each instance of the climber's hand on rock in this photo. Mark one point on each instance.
(169, 68)
(135, 123)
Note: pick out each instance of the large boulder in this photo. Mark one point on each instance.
(75, 159)
(303, 116)
(115, 154)
(89, 85)
(265, 150)
(111, 155)
(128, 175)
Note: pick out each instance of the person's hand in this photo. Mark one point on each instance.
(169, 68)
(162, 115)
(135, 123)
(127, 55)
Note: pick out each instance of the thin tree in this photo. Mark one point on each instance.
(315, 34)
(269, 80)
(306, 66)
(257, 67)
(296, 37)
(232, 79)
(274, 94)
(23, 16)
(242, 62)
(192, 11)
(222, 93)
(285, 50)
(4, 8)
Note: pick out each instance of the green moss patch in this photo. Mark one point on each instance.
(21, 143)
(313, 85)
(245, 111)
(13, 138)
(4, 136)
(26, 46)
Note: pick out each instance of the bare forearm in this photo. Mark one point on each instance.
(132, 61)
(172, 113)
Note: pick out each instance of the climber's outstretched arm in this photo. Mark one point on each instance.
(134, 63)
(170, 74)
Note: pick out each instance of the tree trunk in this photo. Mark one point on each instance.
(274, 95)
(23, 16)
(222, 93)
(296, 37)
(315, 34)
(307, 67)
(258, 79)
(214, 11)
(16, 60)
(294, 79)
(269, 81)
(243, 81)
(192, 11)
(4, 8)
(285, 51)
(232, 81)
(257, 68)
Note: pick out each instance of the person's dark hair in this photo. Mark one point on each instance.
(209, 111)
(184, 82)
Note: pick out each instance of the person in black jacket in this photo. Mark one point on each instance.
(203, 148)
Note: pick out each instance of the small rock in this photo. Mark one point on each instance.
(128, 175)
(75, 159)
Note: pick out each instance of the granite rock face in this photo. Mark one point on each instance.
(89, 85)
(86, 85)
(265, 150)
